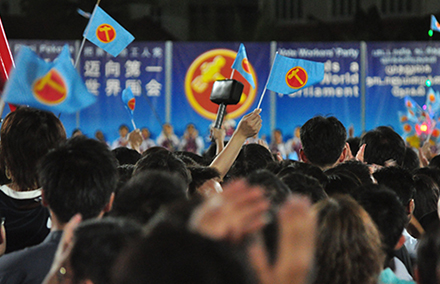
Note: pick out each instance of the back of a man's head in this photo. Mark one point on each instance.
(386, 211)
(398, 180)
(383, 144)
(97, 244)
(323, 140)
(78, 177)
(428, 258)
(171, 255)
(163, 161)
(143, 195)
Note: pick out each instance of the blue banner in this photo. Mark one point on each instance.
(195, 68)
(337, 95)
(141, 66)
(394, 71)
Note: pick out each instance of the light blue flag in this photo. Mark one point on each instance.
(128, 100)
(435, 26)
(241, 64)
(432, 102)
(289, 75)
(106, 33)
(54, 86)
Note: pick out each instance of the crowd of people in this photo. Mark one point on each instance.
(352, 210)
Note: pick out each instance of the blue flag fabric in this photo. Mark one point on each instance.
(289, 75)
(432, 102)
(106, 33)
(241, 64)
(128, 100)
(54, 86)
(435, 26)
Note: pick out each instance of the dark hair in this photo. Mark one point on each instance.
(163, 161)
(124, 126)
(304, 185)
(359, 169)
(435, 162)
(27, 134)
(171, 256)
(433, 173)
(195, 157)
(97, 244)
(428, 257)
(251, 157)
(387, 212)
(126, 156)
(306, 169)
(145, 193)
(383, 144)
(323, 139)
(426, 195)
(355, 144)
(78, 177)
(124, 174)
(275, 190)
(199, 175)
(411, 160)
(398, 180)
(342, 182)
(348, 248)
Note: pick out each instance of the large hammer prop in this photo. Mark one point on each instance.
(225, 92)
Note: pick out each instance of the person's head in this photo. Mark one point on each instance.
(99, 136)
(79, 176)
(142, 196)
(426, 195)
(383, 144)
(342, 182)
(191, 129)
(167, 129)
(123, 130)
(126, 156)
(204, 181)
(387, 212)
(277, 136)
(401, 182)
(26, 135)
(411, 160)
(76, 132)
(348, 248)
(359, 169)
(251, 157)
(145, 133)
(163, 161)
(96, 246)
(304, 185)
(274, 189)
(428, 258)
(197, 159)
(323, 141)
(305, 169)
(174, 256)
(435, 162)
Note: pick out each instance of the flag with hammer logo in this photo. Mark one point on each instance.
(289, 75)
(54, 86)
(106, 33)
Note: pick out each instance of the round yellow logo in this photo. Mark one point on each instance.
(207, 68)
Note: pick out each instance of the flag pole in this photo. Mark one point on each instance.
(232, 74)
(132, 122)
(84, 38)
(265, 87)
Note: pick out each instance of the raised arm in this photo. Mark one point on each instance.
(249, 125)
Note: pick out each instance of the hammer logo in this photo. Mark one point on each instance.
(296, 77)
